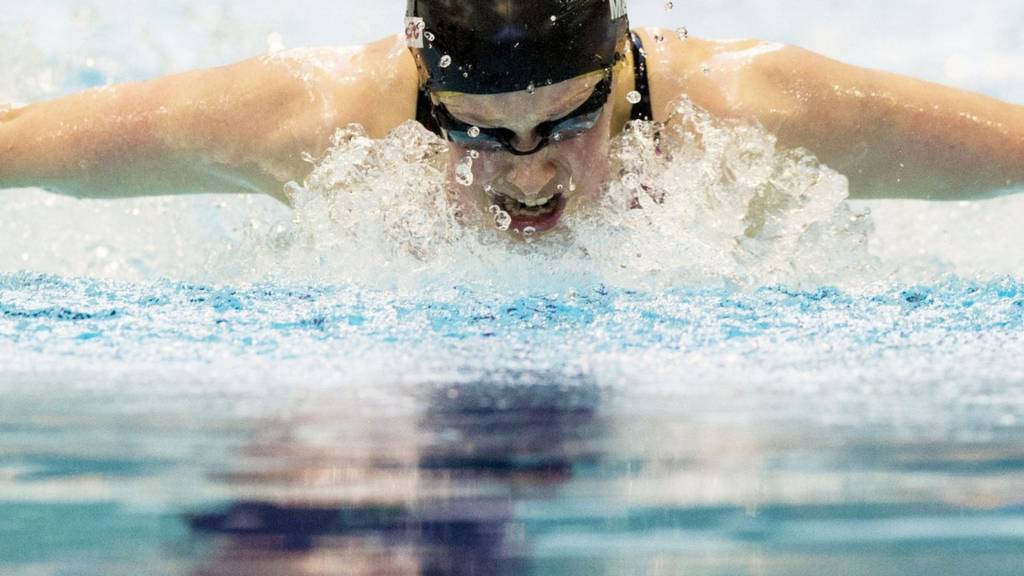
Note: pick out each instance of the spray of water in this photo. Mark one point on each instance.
(696, 202)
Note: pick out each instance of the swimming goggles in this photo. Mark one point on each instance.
(575, 123)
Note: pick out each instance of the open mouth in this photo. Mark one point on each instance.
(539, 215)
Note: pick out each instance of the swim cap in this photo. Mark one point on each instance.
(495, 46)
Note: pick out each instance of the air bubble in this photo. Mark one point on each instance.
(494, 209)
(554, 18)
(474, 154)
(464, 172)
(531, 88)
(473, 132)
(659, 38)
(429, 36)
(529, 231)
(683, 33)
(634, 97)
(669, 6)
(446, 61)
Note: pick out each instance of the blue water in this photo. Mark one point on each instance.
(322, 429)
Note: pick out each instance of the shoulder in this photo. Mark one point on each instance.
(708, 72)
(373, 84)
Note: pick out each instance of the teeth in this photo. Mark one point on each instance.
(536, 202)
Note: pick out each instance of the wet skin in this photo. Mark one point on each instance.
(249, 127)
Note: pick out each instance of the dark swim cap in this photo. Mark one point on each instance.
(494, 46)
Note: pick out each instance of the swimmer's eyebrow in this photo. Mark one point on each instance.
(470, 117)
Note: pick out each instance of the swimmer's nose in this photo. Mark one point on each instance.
(531, 177)
(526, 141)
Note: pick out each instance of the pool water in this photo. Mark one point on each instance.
(173, 427)
(723, 382)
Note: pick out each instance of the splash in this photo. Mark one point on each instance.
(702, 200)
(697, 202)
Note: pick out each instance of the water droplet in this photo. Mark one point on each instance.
(529, 231)
(531, 88)
(473, 132)
(429, 36)
(502, 220)
(464, 172)
(275, 43)
(446, 61)
(474, 154)
(631, 181)
(634, 97)
(669, 6)
(683, 33)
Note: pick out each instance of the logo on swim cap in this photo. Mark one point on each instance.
(414, 28)
(618, 8)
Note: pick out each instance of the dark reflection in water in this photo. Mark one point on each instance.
(476, 450)
(519, 473)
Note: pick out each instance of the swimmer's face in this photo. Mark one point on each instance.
(534, 190)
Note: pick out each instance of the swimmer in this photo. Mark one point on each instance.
(535, 88)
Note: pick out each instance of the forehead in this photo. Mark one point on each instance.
(563, 98)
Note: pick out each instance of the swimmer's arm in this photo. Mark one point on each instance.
(166, 136)
(240, 128)
(891, 135)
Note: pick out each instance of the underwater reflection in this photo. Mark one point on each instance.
(531, 473)
(446, 479)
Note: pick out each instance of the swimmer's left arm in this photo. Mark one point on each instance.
(891, 135)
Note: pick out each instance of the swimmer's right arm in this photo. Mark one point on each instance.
(240, 128)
